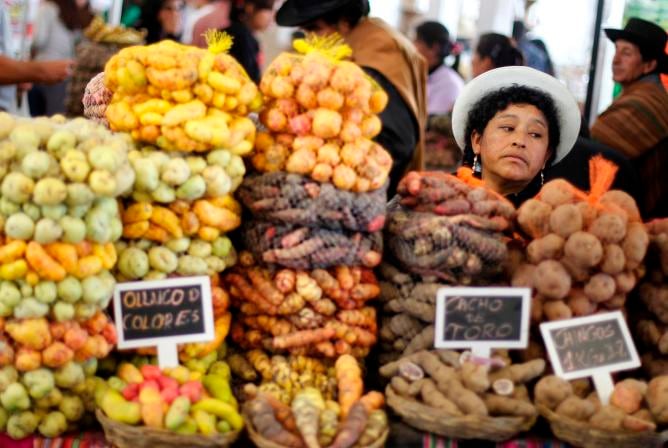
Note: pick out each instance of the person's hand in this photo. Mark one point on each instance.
(56, 71)
(24, 87)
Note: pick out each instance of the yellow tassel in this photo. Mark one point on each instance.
(218, 41)
(331, 45)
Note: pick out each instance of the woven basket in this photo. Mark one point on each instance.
(427, 418)
(582, 434)
(262, 442)
(121, 435)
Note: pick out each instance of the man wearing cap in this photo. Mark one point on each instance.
(387, 56)
(636, 123)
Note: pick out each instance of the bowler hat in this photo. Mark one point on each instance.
(648, 36)
(299, 12)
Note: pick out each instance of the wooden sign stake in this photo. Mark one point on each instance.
(604, 386)
(168, 355)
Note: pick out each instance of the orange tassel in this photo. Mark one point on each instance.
(602, 174)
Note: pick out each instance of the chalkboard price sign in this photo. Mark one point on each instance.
(585, 346)
(150, 313)
(482, 317)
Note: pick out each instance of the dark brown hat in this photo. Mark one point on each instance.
(648, 36)
(299, 12)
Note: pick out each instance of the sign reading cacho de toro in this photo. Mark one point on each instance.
(151, 313)
(490, 317)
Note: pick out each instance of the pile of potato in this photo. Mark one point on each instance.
(182, 98)
(584, 255)
(293, 414)
(319, 312)
(293, 199)
(650, 317)
(321, 114)
(445, 226)
(457, 386)
(59, 220)
(635, 406)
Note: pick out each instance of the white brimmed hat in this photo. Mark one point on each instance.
(568, 113)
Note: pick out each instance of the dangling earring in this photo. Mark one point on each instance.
(477, 168)
(542, 178)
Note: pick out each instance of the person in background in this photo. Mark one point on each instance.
(58, 28)
(162, 19)
(636, 123)
(249, 17)
(444, 83)
(14, 72)
(193, 11)
(385, 55)
(217, 19)
(535, 56)
(512, 123)
(492, 51)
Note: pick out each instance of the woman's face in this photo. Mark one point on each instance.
(480, 64)
(513, 148)
(171, 16)
(261, 19)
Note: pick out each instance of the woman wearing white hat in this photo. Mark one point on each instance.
(511, 123)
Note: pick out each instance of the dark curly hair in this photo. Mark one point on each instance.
(498, 100)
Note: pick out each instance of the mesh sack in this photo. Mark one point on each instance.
(294, 199)
(95, 100)
(448, 195)
(90, 60)
(457, 249)
(311, 248)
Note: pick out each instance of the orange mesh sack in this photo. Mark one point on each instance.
(448, 226)
(320, 115)
(586, 249)
(293, 199)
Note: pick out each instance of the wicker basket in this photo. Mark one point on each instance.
(121, 435)
(581, 434)
(262, 442)
(427, 418)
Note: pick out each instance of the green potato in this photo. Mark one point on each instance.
(159, 158)
(147, 175)
(141, 196)
(10, 295)
(75, 167)
(61, 141)
(54, 212)
(49, 191)
(53, 424)
(143, 244)
(196, 164)
(17, 187)
(116, 229)
(215, 264)
(25, 288)
(25, 139)
(200, 249)
(32, 210)
(63, 311)
(102, 182)
(220, 157)
(94, 291)
(194, 188)
(155, 275)
(78, 211)
(189, 265)
(108, 205)
(125, 180)
(175, 172)
(72, 407)
(163, 194)
(30, 308)
(236, 168)
(105, 158)
(162, 259)
(218, 182)
(221, 246)
(69, 290)
(74, 229)
(84, 311)
(79, 194)
(8, 207)
(178, 245)
(39, 382)
(98, 225)
(47, 231)
(46, 292)
(7, 151)
(7, 123)
(133, 263)
(19, 226)
(35, 164)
